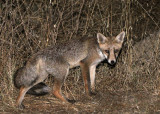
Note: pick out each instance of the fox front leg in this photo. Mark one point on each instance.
(92, 71)
(86, 78)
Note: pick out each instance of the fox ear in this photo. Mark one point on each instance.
(101, 38)
(120, 37)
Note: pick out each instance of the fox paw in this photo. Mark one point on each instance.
(21, 107)
(71, 101)
(92, 93)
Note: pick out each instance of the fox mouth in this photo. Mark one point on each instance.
(109, 64)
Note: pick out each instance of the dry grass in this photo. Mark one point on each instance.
(131, 87)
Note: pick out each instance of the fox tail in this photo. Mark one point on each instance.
(37, 90)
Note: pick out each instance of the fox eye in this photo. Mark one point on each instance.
(116, 51)
(107, 51)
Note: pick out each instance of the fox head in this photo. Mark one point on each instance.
(110, 46)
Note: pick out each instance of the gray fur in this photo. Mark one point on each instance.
(57, 60)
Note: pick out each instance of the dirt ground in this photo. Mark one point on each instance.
(117, 102)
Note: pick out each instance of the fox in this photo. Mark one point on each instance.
(56, 60)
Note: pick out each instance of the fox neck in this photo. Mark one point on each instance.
(101, 55)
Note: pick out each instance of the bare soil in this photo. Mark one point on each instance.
(117, 102)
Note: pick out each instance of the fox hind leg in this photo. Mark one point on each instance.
(58, 81)
(20, 97)
(57, 91)
(23, 90)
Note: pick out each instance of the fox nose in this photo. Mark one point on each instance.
(112, 62)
